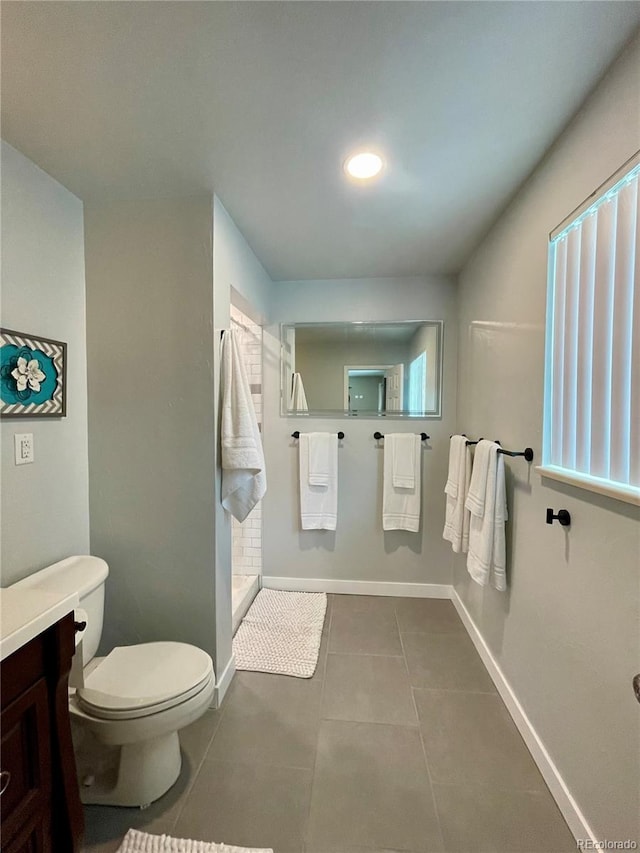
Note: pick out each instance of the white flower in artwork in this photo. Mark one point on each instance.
(28, 373)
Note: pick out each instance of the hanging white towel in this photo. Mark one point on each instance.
(486, 501)
(400, 505)
(456, 525)
(244, 480)
(403, 449)
(319, 503)
(320, 449)
(298, 397)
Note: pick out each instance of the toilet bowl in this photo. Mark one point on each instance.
(129, 706)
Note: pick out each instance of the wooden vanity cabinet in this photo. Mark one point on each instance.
(40, 808)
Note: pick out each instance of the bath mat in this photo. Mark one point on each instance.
(142, 842)
(281, 633)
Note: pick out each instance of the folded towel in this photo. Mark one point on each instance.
(319, 504)
(400, 505)
(499, 576)
(244, 480)
(298, 397)
(403, 449)
(486, 560)
(477, 495)
(320, 449)
(456, 525)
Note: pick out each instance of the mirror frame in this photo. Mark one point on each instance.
(367, 415)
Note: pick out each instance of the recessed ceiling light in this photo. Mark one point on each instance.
(364, 165)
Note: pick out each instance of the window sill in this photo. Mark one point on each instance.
(628, 494)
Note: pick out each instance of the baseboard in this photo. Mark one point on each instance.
(570, 810)
(223, 682)
(341, 587)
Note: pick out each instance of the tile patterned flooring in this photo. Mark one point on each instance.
(399, 742)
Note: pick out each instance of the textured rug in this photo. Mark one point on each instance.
(281, 633)
(142, 842)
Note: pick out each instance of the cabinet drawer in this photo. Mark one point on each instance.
(26, 756)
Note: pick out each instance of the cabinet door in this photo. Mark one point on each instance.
(34, 838)
(26, 757)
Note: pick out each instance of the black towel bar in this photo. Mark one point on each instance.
(296, 434)
(379, 435)
(527, 452)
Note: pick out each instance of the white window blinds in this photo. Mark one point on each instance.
(592, 380)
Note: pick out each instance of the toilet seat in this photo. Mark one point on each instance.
(137, 681)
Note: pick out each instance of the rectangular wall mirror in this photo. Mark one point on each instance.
(367, 370)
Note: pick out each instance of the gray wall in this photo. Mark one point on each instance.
(151, 416)
(45, 506)
(358, 550)
(566, 634)
(322, 365)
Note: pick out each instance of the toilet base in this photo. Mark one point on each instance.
(137, 774)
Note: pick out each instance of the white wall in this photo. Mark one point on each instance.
(359, 549)
(151, 416)
(566, 634)
(45, 506)
(236, 265)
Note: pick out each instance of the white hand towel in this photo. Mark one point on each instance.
(320, 449)
(298, 397)
(487, 554)
(244, 480)
(318, 504)
(400, 506)
(499, 573)
(456, 525)
(403, 448)
(476, 498)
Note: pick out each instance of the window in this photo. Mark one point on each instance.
(592, 376)
(418, 383)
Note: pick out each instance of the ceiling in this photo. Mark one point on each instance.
(261, 101)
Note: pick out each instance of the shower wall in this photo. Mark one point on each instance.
(246, 537)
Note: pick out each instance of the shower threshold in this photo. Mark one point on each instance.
(243, 590)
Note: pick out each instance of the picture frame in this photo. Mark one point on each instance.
(32, 376)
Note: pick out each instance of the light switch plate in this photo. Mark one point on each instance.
(23, 445)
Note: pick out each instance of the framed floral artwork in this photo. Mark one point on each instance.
(32, 376)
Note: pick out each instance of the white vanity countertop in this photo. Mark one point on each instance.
(25, 613)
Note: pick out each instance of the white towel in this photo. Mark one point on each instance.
(400, 506)
(320, 450)
(298, 397)
(244, 480)
(403, 448)
(318, 504)
(456, 525)
(486, 501)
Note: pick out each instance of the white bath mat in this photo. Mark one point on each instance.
(281, 633)
(142, 842)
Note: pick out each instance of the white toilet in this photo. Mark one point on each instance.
(127, 716)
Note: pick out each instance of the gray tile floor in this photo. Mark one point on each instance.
(399, 742)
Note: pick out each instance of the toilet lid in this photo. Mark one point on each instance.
(134, 680)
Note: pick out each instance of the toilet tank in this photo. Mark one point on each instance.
(84, 575)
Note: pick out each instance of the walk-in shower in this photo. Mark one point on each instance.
(246, 537)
